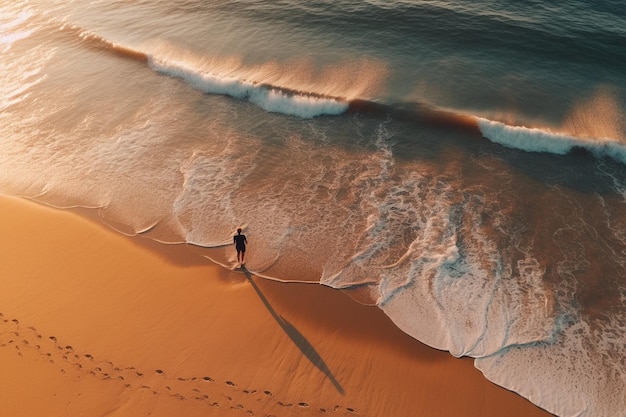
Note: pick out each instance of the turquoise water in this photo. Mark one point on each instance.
(462, 166)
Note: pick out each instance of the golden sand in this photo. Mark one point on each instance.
(98, 324)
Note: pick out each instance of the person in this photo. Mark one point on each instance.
(240, 244)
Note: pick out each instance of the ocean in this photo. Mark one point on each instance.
(461, 165)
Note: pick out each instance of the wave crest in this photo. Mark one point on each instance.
(270, 98)
(538, 140)
(307, 104)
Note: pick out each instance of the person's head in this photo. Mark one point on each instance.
(239, 231)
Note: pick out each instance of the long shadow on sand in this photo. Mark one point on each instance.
(296, 337)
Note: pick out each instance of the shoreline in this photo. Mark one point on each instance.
(98, 323)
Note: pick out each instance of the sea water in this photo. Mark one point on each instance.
(462, 165)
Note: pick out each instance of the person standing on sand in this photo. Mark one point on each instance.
(240, 244)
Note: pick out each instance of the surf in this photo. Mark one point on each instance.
(223, 76)
(306, 104)
(269, 97)
(538, 140)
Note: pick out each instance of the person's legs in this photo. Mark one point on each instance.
(243, 253)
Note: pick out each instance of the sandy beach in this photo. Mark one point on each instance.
(95, 323)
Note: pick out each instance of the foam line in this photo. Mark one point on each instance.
(537, 140)
(270, 98)
(303, 104)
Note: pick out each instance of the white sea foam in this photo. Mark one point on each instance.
(538, 140)
(579, 374)
(440, 276)
(466, 300)
(272, 99)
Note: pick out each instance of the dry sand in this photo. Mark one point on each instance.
(94, 323)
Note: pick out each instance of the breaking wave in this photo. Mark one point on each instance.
(538, 140)
(270, 98)
(307, 104)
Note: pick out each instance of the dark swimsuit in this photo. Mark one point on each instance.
(240, 243)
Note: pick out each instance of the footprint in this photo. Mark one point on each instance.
(267, 393)
(207, 378)
(231, 383)
(350, 409)
(159, 371)
(303, 404)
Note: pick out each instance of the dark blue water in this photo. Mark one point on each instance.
(462, 166)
